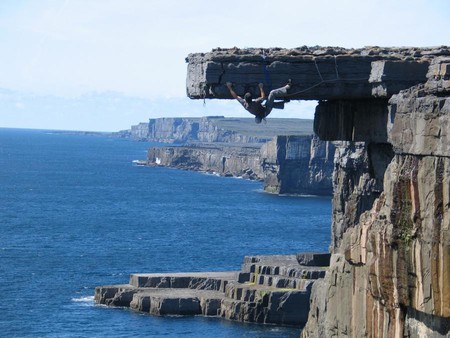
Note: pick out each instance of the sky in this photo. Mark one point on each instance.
(104, 65)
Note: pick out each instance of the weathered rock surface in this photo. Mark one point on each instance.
(390, 265)
(215, 129)
(357, 181)
(318, 73)
(390, 272)
(286, 164)
(297, 164)
(268, 290)
(224, 160)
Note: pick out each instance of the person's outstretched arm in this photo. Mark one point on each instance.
(232, 92)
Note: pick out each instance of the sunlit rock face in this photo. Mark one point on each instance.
(390, 267)
(317, 73)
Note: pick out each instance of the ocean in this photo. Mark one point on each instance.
(75, 213)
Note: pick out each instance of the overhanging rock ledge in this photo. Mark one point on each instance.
(389, 274)
(318, 73)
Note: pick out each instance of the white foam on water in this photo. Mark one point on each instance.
(84, 299)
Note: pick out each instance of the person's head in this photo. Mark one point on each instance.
(258, 119)
(248, 97)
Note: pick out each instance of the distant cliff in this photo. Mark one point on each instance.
(215, 129)
(286, 164)
(222, 160)
(299, 164)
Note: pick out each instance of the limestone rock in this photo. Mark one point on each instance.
(268, 289)
(393, 255)
(318, 73)
(223, 160)
(297, 164)
(287, 164)
(352, 120)
(421, 123)
(390, 266)
(357, 181)
(313, 259)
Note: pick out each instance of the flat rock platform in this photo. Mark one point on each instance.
(267, 290)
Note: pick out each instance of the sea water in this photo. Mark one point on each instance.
(76, 213)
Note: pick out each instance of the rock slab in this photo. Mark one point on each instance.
(267, 290)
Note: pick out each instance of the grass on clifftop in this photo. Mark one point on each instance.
(273, 127)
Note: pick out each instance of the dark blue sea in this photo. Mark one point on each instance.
(75, 213)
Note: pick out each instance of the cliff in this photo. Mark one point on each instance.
(286, 164)
(297, 164)
(223, 160)
(215, 129)
(390, 266)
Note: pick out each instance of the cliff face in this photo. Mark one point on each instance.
(300, 164)
(390, 272)
(139, 132)
(294, 164)
(225, 161)
(172, 130)
(212, 129)
(286, 164)
(390, 108)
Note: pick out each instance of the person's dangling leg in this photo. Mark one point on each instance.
(274, 94)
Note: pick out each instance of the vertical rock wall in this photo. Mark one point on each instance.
(389, 274)
(287, 164)
(390, 271)
(294, 164)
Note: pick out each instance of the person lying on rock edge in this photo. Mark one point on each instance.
(255, 107)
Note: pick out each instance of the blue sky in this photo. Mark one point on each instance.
(108, 64)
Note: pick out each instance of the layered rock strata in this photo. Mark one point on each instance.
(229, 161)
(297, 164)
(267, 290)
(390, 268)
(318, 73)
(390, 272)
(215, 129)
(286, 164)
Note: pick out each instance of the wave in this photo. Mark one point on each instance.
(83, 299)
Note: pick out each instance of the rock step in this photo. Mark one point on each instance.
(285, 265)
(161, 301)
(272, 259)
(117, 295)
(269, 289)
(279, 281)
(274, 307)
(290, 271)
(250, 292)
(192, 280)
(177, 302)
